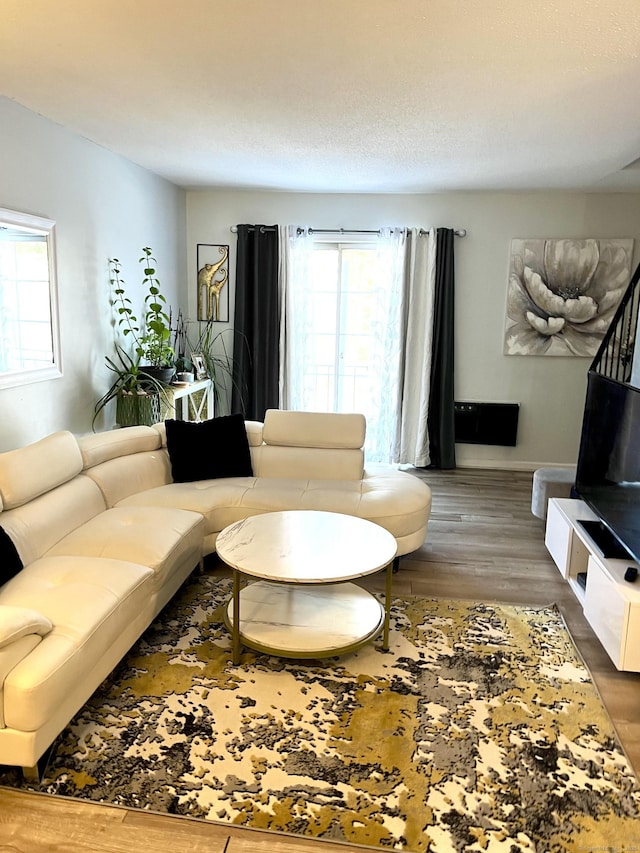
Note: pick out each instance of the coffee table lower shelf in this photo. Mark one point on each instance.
(306, 621)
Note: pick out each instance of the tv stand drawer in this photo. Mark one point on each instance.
(606, 610)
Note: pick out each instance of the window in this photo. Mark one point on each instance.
(29, 349)
(343, 340)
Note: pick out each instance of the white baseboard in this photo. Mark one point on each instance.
(505, 465)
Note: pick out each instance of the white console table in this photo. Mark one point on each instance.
(611, 605)
(187, 403)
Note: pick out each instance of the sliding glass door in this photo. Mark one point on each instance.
(350, 351)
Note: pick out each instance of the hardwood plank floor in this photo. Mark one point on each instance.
(484, 544)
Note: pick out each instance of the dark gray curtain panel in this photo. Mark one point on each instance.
(256, 322)
(441, 396)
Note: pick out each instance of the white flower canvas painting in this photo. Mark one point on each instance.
(562, 294)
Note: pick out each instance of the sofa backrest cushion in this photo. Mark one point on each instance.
(307, 463)
(37, 468)
(123, 476)
(314, 429)
(311, 445)
(38, 525)
(117, 442)
(124, 461)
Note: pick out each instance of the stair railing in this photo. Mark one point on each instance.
(614, 358)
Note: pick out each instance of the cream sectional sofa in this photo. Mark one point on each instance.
(95, 538)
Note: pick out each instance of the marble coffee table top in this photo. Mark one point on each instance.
(306, 546)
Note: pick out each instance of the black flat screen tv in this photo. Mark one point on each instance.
(608, 472)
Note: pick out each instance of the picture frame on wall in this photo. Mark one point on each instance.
(562, 294)
(212, 264)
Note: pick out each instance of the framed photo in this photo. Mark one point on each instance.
(199, 367)
(213, 275)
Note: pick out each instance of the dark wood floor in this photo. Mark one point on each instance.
(483, 544)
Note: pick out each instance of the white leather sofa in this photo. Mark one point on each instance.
(95, 539)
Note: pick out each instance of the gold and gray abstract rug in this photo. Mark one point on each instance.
(480, 730)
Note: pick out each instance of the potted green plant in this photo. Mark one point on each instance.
(152, 336)
(138, 395)
(142, 373)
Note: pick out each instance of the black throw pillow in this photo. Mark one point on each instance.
(10, 562)
(208, 450)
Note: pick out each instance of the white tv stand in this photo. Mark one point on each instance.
(611, 605)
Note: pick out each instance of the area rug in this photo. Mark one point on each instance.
(479, 730)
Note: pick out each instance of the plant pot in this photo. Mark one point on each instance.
(137, 409)
(160, 374)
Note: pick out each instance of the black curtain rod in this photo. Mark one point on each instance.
(459, 232)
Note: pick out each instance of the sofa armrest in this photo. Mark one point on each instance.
(21, 630)
(18, 622)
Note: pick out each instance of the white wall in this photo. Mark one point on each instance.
(550, 389)
(104, 206)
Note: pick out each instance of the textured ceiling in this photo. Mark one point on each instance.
(340, 95)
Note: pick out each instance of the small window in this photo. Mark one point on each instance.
(29, 333)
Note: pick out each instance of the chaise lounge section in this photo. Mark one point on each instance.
(96, 536)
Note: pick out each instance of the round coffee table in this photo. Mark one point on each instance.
(301, 603)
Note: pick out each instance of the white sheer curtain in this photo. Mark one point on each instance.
(399, 366)
(296, 246)
(384, 415)
(412, 437)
